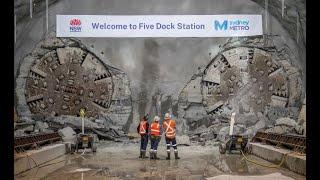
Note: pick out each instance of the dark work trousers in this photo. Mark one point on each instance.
(154, 142)
(171, 142)
(144, 142)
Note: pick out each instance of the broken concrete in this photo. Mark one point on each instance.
(41, 126)
(285, 126)
(294, 161)
(286, 122)
(68, 135)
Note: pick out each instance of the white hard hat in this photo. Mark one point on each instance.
(167, 116)
(156, 118)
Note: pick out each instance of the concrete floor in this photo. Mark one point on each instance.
(120, 161)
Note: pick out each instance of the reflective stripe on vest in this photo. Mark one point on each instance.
(155, 129)
(143, 127)
(170, 131)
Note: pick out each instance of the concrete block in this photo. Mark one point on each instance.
(33, 158)
(294, 162)
(286, 121)
(68, 134)
(183, 140)
(278, 101)
(41, 126)
(278, 176)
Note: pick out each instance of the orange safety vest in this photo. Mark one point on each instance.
(169, 127)
(143, 127)
(155, 129)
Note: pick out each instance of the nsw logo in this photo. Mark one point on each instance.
(75, 25)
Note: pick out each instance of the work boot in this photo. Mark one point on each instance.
(155, 155)
(151, 155)
(140, 154)
(144, 154)
(168, 153)
(176, 155)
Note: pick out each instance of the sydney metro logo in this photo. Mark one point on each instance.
(75, 25)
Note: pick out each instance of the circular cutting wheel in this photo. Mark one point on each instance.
(67, 79)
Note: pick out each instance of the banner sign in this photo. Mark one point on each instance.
(159, 26)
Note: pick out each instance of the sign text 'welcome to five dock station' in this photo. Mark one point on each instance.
(159, 26)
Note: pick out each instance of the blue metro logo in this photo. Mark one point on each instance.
(220, 26)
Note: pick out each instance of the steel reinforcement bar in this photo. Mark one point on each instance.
(296, 143)
(27, 141)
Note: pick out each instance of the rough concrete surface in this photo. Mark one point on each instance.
(293, 161)
(272, 176)
(120, 161)
(31, 159)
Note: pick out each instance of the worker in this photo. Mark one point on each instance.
(155, 136)
(169, 127)
(143, 131)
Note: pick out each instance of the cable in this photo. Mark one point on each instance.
(38, 166)
(83, 152)
(270, 166)
(28, 155)
(50, 164)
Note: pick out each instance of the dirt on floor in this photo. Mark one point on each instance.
(120, 161)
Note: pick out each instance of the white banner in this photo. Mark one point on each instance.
(159, 26)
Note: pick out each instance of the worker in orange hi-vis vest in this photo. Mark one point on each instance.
(155, 136)
(169, 127)
(142, 129)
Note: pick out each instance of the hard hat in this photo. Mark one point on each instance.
(146, 117)
(167, 116)
(156, 118)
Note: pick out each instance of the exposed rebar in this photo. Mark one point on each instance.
(266, 15)
(15, 28)
(47, 16)
(298, 24)
(282, 8)
(31, 7)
